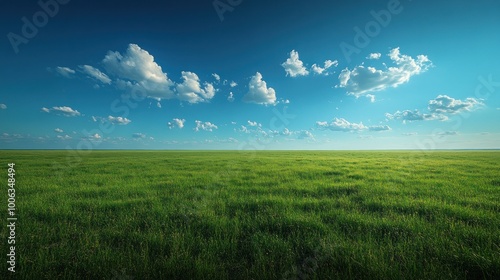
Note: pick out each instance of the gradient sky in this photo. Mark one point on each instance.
(250, 75)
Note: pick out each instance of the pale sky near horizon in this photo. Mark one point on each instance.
(250, 75)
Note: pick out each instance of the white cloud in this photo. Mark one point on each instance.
(64, 137)
(65, 71)
(3, 106)
(374, 56)
(58, 130)
(286, 132)
(415, 115)
(216, 76)
(119, 120)
(341, 124)
(379, 128)
(95, 73)
(362, 80)
(410, 134)
(371, 97)
(190, 90)
(439, 109)
(230, 97)
(258, 92)
(305, 134)
(137, 69)
(233, 84)
(176, 123)
(95, 136)
(254, 124)
(206, 126)
(320, 70)
(64, 111)
(138, 136)
(447, 133)
(294, 66)
(444, 104)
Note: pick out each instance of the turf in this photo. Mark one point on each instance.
(255, 215)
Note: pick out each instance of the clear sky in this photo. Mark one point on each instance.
(249, 75)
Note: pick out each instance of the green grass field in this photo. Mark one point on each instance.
(263, 215)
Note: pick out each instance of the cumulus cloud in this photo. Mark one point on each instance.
(374, 56)
(65, 71)
(118, 120)
(58, 130)
(233, 84)
(64, 111)
(137, 69)
(341, 124)
(64, 137)
(322, 70)
(258, 92)
(95, 73)
(254, 124)
(362, 80)
(190, 90)
(439, 109)
(206, 126)
(3, 106)
(216, 77)
(444, 104)
(305, 134)
(138, 136)
(294, 66)
(415, 115)
(230, 97)
(179, 123)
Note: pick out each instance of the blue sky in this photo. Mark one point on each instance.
(249, 75)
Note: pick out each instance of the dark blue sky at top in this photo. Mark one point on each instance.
(460, 37)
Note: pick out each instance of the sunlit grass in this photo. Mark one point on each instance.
(264, 215)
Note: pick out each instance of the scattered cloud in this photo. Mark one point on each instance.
(230, 97)
(341, 124)
(254, 124)
(294, 66)
(190, 90)
(64, 137)
(374, 56)
(439, 109)
(65, 71)
(137, 69)
(233, 84)
(362, 80)
(58, 130)
(305, 134)
(322, 70)
(206, 126)
(216, 77)
(410, 134)
(138, 136)
(259, 92)
(179, 123)
(118, 120)
(444, 104)
(371, 97)
(3, 106)
(63, 111)
(447, 133)
(95, 73)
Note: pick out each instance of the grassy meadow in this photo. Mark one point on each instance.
(255, 215)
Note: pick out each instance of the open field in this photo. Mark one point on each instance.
(264, 215)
